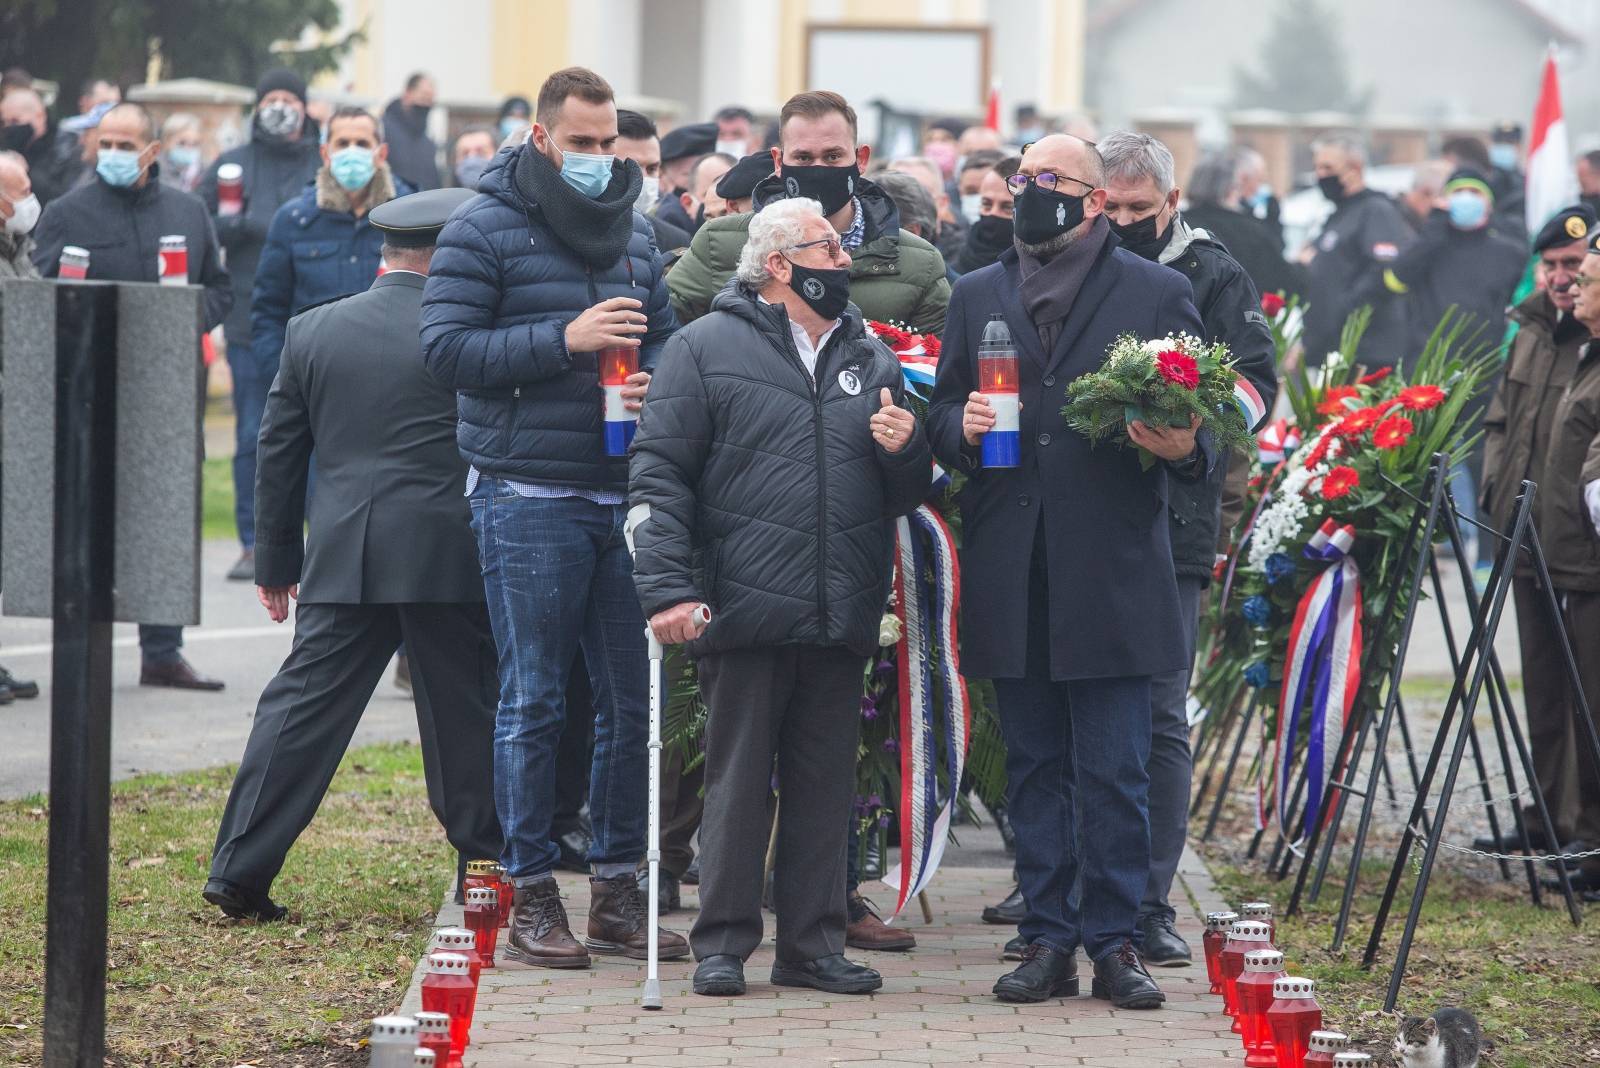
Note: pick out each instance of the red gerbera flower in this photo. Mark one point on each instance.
(1179, 368)
(930, 345)
(1421, 398)
(1339, 482)
(892, 336)
(1392, 433)
(1392, 402)
(1333, 400)
(1272, 304)
(1375, 377)
(1357, 422)
(1318, 452)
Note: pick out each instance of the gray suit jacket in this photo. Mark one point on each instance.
(389, 524)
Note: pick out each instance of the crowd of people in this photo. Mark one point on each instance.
(721, 277)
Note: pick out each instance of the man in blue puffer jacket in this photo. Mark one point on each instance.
(531, 279)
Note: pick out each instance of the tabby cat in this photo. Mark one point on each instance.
(1447, 1039)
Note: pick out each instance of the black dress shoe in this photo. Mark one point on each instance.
(720, 976)
(574, 847)
(1161, 945)
(176, 674)
(668, 897)
(1120, 978)
(1046, 973)
(1010, 912)
(832, 973)
(691, 875)
(1570, 848)
(13, 687)
(240, 904)
(1013, 949)
(1511, 842)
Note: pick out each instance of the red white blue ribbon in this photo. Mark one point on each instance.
(927, 588)
(1249, 402)
(1324, 664)
(1277, 441)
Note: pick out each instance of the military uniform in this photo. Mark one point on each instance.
(390, 556)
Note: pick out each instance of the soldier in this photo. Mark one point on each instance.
(390, 556)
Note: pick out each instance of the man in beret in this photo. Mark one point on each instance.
(681, 148)
(738, 186)
(1517, 438)
(390, 557)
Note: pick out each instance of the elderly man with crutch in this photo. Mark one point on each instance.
(771, 460)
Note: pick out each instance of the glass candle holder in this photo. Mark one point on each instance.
(392, 1040)
(1243, 936)
(1217, 924)
(1261, 910)
(1322, 1046)
(1293, 1016)
(1262, 968)
(1351, 1058)
(508, 893)
(999, 383)
(433, 1034)
(447, 988)
(482, 913)
(425, 1058)
(616, 365)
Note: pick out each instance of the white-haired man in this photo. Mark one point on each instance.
(770, 463)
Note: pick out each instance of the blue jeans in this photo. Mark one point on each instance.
(160, 643)
(557, 575)
(250, 386)
(1078, 792)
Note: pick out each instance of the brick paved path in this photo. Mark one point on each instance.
(934, 1008)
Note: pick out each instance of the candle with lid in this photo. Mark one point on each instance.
(393, 1039)
(447, 988)
(424, 1058)
(1322, 1046)
(1262, 968)
(230, 189)
(508, 892)
(1217, 924)
(998, 382)
(1293, 1016)
(1243, 936)
(433, 1034)
(482, 914)
(616, 365)
(1261, 910)
(1352, 1059)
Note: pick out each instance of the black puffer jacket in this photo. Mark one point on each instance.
(769, 499)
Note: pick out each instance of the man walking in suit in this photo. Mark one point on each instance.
(390, 556)
(1072, 640)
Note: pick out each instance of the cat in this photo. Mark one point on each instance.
(1447, 1039)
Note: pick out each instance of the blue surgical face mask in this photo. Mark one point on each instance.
(183, 156)
(1467, 210)
(118, 167)
(587, 172)
(1503, 156)
(352, 168)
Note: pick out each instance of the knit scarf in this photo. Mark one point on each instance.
(1049, 287)
(597, 230)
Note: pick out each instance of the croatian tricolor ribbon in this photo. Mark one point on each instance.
(1249, 402)
(928, 611)
(1277, 441)
(1324, 663)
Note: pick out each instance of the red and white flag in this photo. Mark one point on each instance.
(991, 115)
(1552, 184)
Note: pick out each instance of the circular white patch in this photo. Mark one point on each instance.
(849, 383)
(792, 186)
(812, 288)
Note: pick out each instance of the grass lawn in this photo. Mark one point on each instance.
(216, 499)
(1531, 978)
(187, 986)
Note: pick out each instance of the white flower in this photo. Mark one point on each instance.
(889, 629)
(1284, 516)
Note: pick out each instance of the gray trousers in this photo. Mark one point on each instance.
(800, 704)
(1170, 764)
(310, 709)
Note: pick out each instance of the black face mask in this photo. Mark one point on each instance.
(1141, 238)
(825, 290)
(832, 187)
(1331, 187)
(17, 137)
(699, 218)
(1038, 215)
(986, 239)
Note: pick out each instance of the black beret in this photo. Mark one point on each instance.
(1594, 241)
(696, 139)
(1570, 224)
(743, 177)
(1506, 133)
(415, 221)
(281, 78)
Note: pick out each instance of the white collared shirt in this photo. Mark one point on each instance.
(802, 341)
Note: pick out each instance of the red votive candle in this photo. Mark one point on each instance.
(483, 920)
(508, 893)
(1262, 968)
(1351, 1058)
(447, 988)
(1322, 1047)
(1243, 936)
(616, 366)
(1261, 910)
(1217, 924)
(1293, 1016)
(433, 1034)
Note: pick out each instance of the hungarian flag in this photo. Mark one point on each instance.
(1552, 185)
(991, 116)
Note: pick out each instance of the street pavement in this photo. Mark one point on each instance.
(935, 1006)
(172, 730)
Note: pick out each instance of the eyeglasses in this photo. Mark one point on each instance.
(1046, 180)
(830, 243)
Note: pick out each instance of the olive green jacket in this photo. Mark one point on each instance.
(894, 276)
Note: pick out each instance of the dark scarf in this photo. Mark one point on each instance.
(597, 230)
(1049, 287)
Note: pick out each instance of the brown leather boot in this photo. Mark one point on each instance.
(867, 931)
(618, 917)
(539, 933)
